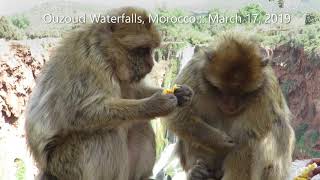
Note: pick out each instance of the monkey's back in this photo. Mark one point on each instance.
(66, 85)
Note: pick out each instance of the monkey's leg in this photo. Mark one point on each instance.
(238, 165)
(98, 155)
(142, 152)
(272, 172)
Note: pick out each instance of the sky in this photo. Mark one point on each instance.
(15, 6)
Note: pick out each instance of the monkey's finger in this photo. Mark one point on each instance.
(183, 101)
(182, 94)
(183, 91)
(170, 95)
(230, 143)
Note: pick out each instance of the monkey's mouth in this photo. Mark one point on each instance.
(138, 77)
(229, 105)
(230, 111)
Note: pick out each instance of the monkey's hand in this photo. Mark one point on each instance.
(226, 142)
(160, 104)
(184, 95)
(200, 172)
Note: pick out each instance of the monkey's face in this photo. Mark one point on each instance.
(140, 62)
(232, 87)
(229, 103)
(133, 45)
(234, 70)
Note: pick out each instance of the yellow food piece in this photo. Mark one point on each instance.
(170, 90)
(304, 175)
(299, 178)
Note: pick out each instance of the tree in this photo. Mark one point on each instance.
(252, 13)
(8, 30)
(20, 21)
(280, 3)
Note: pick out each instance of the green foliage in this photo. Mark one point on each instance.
(281, 3)
(8, 30)
(300, 131)
(308, 37)
(252, 13)
(160, 136)
(312, 18)
(159, 128)
(20, 21)
(21, 169)
(314, 136)
(171, 74)
(178, 34)
(287, 86)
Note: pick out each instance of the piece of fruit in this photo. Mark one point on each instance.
(170, 90)
(304, 175)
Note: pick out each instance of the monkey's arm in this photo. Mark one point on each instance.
(106, 112)
(144, 91)
(194, 130)
(183, 93)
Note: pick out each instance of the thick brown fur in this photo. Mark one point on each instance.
(229, 70)
(236, 97)
(88, 116)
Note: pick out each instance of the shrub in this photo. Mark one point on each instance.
(8, 30)
(20, 21)
(312, 18)
(252, 13)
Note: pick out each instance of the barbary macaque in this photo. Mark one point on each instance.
(238, 123)
(88, 116)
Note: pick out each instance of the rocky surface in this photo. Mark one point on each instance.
(299, 76)
(20, 62)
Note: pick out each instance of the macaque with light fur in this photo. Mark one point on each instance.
(88, 116)
(237, 100)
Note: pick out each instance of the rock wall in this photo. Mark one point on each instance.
(299, 76)
(20, 62)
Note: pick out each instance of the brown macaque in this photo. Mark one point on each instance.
(88, 116)
(238, 122)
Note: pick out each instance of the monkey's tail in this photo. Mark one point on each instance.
(46, 176)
